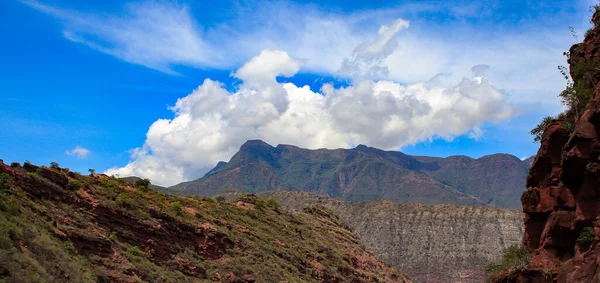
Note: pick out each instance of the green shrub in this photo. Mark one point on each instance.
(208, 199)
(12, 207)
(273, 204)
(73, 185)
(577, 94)
(514, 258)
(5, 242)
(4, 178)
(494, 267)
(69, 246)
(176, 206)
(260, 205)
(134, 250)
(319, 210)
(109, 183)
(143, 184)
(54, 165)
(539, 130)
(4, 184)
(586, 237)
(124, 200)
(220, 199)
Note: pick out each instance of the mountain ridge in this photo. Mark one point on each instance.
(367, 173)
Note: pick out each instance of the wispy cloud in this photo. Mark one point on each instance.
(79, 152)
(158, 35)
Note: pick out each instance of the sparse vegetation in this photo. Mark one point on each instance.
(35, 234)
(208, 199)
(576, 95)
(4, 184)
(74, 185)
(92, 171)
(134, 250)
(54, 165)
(177, 208)
(514, 258)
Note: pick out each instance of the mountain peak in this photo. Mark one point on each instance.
(254, 144)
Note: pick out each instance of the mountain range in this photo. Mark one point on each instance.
(366, 173)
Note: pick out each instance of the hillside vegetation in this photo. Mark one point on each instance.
(60, 226)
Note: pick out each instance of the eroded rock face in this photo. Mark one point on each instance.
(439, 243)
(563, 194)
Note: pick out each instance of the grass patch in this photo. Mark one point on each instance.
(514, 258)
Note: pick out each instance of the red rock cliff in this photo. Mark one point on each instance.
(563, 195)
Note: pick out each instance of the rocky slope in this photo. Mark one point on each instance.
(60, 226)
(562, 202)
(366, 173)
(440, 243)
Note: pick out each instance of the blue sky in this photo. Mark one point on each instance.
(99, 74)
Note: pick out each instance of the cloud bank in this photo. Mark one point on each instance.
(211, 123)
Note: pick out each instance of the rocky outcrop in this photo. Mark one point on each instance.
(563, 189)
(439, 243)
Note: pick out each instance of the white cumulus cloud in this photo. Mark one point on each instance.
(79, 152)
(211, 123)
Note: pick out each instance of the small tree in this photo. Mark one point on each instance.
(92, 171)
(143, 184)
(54, 165)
